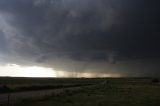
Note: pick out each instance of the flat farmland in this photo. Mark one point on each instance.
(116, 92)
(82, 92)
(15, 90)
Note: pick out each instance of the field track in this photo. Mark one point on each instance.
(13, 98)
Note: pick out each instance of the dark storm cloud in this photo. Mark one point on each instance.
(81, 34)
(3, 43)
(61, 28)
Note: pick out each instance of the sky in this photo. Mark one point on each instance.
(80, 38)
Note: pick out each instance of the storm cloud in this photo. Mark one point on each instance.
(103, 36)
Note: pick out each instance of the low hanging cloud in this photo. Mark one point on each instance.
(103, 36)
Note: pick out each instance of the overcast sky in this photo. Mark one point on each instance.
(118, 37)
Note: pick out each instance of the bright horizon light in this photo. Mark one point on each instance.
(14, 70)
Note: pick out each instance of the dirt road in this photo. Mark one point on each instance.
(12, 98)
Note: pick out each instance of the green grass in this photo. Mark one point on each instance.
(116, 93)
(41, 81)
(13, 84)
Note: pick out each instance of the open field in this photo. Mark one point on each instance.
(45, 81)
(117, 92)
(15, 90)
(82, 92)
(8, 84)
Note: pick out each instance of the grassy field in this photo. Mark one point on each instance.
(10, 84)
(45, 81)
(118, 92)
